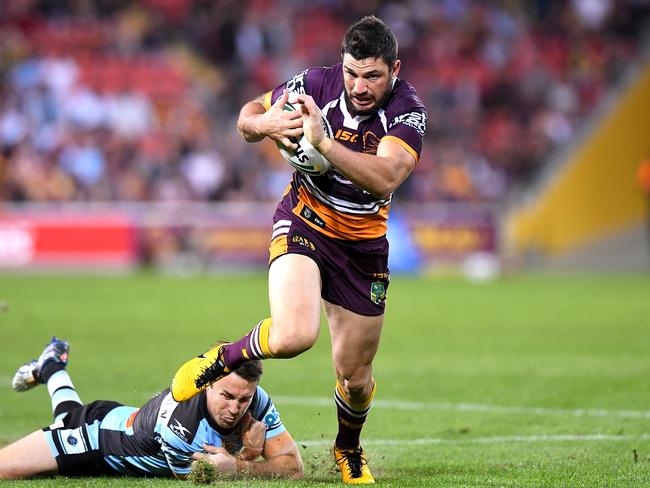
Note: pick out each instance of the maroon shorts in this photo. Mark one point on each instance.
(354, 273)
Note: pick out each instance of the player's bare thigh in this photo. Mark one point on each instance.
(27, 457)
(355, 340)
(294, 297)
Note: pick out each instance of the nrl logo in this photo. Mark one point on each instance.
(377, 292)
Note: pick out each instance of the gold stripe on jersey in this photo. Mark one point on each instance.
(340, 225)
(267, 100)
(279, 246)
(399, 141)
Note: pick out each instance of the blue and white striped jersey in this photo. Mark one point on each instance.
(160, 438)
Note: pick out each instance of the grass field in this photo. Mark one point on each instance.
(530, 381)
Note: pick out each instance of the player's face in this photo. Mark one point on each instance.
(229, 398)
(368, 83)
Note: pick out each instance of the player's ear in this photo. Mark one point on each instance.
(395, 71)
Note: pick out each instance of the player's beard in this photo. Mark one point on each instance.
(371, 111)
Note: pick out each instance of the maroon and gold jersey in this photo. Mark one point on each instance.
(331, 203)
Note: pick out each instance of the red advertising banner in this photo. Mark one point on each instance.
(75, 240)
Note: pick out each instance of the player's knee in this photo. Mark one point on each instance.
(288, 345)
(357, 387)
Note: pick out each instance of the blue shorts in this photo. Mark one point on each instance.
(74, 441)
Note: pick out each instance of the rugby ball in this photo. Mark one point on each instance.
(306, 158)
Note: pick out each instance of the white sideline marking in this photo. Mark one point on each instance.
(488, 440)
(471, 407)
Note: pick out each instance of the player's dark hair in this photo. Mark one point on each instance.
(250, 370)
(370, 37)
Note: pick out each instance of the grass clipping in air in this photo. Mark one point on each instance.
(203, 472)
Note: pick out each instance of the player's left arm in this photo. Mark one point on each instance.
(379, 174)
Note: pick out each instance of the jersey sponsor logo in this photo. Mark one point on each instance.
(167, 407)
(416, 120)
(272, 418)
(303, 241)
(345, 135)
(377, 292)
(312, 217)
(297, 83)
(179, 430)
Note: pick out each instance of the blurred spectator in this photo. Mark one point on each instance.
(135, 100)
(204, 170)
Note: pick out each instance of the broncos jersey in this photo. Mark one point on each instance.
(160, 438)
(331, 203)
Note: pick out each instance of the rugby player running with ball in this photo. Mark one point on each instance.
(329, 232)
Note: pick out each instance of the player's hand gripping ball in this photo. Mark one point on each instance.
(306, 158)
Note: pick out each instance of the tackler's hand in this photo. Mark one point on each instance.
(218, 457)
(253, 437)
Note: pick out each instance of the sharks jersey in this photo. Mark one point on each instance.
(331, 203)
(160, 438)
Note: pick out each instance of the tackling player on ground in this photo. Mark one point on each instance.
(230, 425)
(329, 233)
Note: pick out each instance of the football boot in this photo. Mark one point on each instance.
(198, 373)
(353, 466)
(29, 374)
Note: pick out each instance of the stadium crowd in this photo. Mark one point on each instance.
(137, 100)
